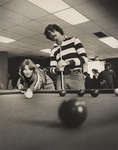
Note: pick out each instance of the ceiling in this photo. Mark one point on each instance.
(25, 22)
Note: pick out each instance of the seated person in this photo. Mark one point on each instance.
(33, 78)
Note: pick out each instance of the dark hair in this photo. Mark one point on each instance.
(95, 70)
(107, 65)
(52, 28)
(86, 74)
(30, 64)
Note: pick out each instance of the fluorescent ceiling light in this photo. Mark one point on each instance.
(45, 51)
(71, 16)
(50, 5)
(6, 39)
(111, 41)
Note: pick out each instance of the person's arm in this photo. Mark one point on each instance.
(82, 55)
(20, 86)
(53, 63)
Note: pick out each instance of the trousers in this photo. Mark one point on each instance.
(74, 80)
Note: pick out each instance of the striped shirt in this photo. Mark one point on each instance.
(70, 49)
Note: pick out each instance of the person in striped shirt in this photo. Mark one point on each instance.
(68, 55)
(33, 78)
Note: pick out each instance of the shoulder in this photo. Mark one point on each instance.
(54, 46)
(76, 39)
(73, 38)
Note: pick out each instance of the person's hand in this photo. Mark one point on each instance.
(70, 65)
(57, 70)
(65, 65)
(20, 87)
(61, 68)
(28, 94)
(61, 65)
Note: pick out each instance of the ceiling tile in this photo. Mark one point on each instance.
(92, 11)
(74, 3)
(10, 35)
(20, 31)
(14, 18)
(25, 22)
(25, 8)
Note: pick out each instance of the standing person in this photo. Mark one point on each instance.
(67, 55)
(107, 77)
(88, 81)
(33, 78)
(95, 81)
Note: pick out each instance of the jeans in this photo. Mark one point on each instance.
(74, 80)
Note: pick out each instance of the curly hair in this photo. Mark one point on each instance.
(52, 28)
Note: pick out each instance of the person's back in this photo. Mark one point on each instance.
(107, 77)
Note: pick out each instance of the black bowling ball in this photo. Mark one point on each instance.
(72, 113)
